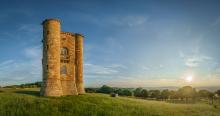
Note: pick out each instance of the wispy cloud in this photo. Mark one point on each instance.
(20, 71)
(129, 20)
(156, 67)
(92, 69)
(33, 52)
(132, 81)
(194, 60)
(4, 63)
(29, 28)
(116, 20)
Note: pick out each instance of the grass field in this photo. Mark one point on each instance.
(26, 102)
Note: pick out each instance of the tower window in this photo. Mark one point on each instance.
(48, 32)
(63, 70)
(64, 53)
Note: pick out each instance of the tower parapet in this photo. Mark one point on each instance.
(51, 19)
(68, 33)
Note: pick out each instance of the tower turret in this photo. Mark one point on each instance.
(79, 63)
(51, 85)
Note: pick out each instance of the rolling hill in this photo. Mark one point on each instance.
(27, 102)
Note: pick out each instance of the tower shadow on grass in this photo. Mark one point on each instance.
(28, 92)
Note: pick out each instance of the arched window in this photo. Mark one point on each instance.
(63, 70)
(64, 53)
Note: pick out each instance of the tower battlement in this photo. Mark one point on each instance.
(51, 19)
(68, 33)
(62, 61)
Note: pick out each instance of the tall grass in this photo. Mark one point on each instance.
(28, 103)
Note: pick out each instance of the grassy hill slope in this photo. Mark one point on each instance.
(27, 103)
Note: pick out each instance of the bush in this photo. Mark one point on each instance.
(126, 92)
(137, 92)
(91, 90)
(154, 94)
(144, 93)
(105, 89)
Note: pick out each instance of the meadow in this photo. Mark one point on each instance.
(27, 102)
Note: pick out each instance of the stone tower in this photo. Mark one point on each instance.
(62, 61)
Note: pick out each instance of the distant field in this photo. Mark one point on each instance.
(26, 102)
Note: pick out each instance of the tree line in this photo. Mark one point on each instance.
(184, 93)
(26, 85)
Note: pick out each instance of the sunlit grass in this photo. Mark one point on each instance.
(26, 102)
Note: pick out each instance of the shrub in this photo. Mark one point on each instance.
(105, 89)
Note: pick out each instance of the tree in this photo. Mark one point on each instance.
(123, 92)
(137, 92)
(154, 94)
(187, 92)
(105, 89)
(203, 93)
(218, 92)
(144, 93)
(211, 96)
(165, 94)
(91, 90)
(173, 94)
(127, 92)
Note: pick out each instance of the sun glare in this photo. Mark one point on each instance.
(189, 79)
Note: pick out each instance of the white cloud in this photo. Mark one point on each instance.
(117, 66)
(133, 81)
(21, 71)
(109, 70)
(117, 20)
(92, 69)
(7, 62)
(146, 68)
(30, 28)
(195, 59)
(130, 20)
(33, 52)
(156, 67)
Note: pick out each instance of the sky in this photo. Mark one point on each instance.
(128, 43)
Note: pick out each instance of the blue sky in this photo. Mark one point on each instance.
(127, 43)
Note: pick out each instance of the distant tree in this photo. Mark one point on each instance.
(144, 93)
(91, 90)
(187, 92)
(137, 92)
(38, 84)
(203, 93)
(123, 92)
(218, 92)
(127, 92)
(173, 94)
(211, 97)
(154, 94)
(105, 89)
(165, 94)
(119, 91)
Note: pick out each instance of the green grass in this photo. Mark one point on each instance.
(26, 102)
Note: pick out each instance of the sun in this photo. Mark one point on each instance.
(189, 78)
